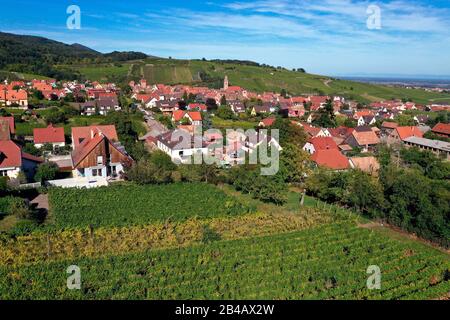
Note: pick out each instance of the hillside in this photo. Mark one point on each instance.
(252, 77)
(38, 55)
(30, 56)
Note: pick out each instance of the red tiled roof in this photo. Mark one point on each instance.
(10, 155)
(30, 157)
(84, 133)
(366, 138)
(195, 115)
(406, 132)
(267, 122)
(389, 125)
(442, 128)
(177, 115)
(341, 132)
(50, 134)
(323, 143)
(312, 131)
(331, 159)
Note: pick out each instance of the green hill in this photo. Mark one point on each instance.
(29, 57)
(41, 56)
(252, 77)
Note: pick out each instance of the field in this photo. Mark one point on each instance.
(130, 204)
(212, 243)
(171, 71)
(327, 262)
(219, 123)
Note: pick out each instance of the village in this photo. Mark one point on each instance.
(94, 155)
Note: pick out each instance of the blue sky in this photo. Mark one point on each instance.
(325, 37)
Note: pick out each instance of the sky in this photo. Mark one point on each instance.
(330, 37)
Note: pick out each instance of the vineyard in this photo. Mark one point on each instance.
(124, 205)
(324, 262)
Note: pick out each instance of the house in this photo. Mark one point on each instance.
(14, 97)
(387, 127)
(366, 164)
(401, 133)
(13, 160)
(50, 135)
(180, 145)
(366, 120)
(314, 131)
(362, 113)
(440, 148)
(421, 119)
(340, 134)
(237, 106)
(107, 104)
(80, 134)
(442, 129)
(98, 153)
(197, 107)
(296, 111)
(260, 110)
(365, 140)
(331, 159)
(267, 122)
(320, 143)
(88, 108)
(192, 117)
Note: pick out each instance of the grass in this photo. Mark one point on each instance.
(218, 123)
(298, 265)
(103, 72)
(111, 206)
(8, 222)
(259, 79)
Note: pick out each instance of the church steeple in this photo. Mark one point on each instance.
(225, 83)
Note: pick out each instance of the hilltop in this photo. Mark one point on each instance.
(30, 56)
(45, 57)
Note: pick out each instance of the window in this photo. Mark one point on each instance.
(96, 172)
(3, 173)
(100, 160)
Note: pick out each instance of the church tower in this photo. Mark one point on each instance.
(225, 83)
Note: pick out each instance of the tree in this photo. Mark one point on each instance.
(211, 104)
(31, 149)
(364, 193)
(326, 117)
(223, 101)
(225, 112)
(46, 171)
(3, 185)
(38, 95)
(156, 169)
(295, 163)
(55, 116)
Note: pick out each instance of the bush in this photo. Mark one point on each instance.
(46, 171)
(22, 228)
(20, 209)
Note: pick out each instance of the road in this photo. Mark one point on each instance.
(154, 126)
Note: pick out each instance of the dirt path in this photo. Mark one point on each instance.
(41, 202)
(327, 82)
